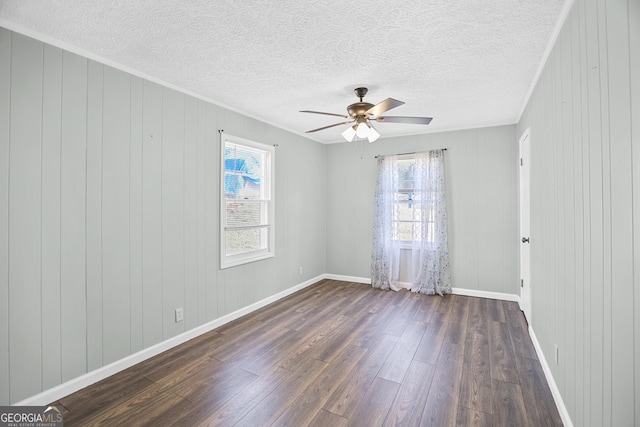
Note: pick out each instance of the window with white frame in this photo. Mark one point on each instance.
(247, 205)
(410, 214)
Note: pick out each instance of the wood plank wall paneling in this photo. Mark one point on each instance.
(172, 210)
(25, 346)
(481, 171)
(584, 117)
(109, 211)
(135, 215)
(152, 214)
(51, 140)
(5, 117)
(94, 215)
(213, 294)
(73, 191)
(116, 131)
(634, 68)
(190, 224)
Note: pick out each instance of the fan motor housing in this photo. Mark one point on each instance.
(359, 109)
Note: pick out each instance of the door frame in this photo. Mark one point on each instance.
(524, 208)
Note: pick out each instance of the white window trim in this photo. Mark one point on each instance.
(227, 261)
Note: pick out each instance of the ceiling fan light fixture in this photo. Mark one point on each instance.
(349, 133)
(373, 134)
(360, 113)
(362, 130)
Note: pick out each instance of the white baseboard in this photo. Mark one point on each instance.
(62, 390)
(455, 291)
(486, 294)
(557, 397)
(347, 278)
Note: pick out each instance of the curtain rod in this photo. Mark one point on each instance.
(404, 154)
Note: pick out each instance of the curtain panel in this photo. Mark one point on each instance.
(413, 220)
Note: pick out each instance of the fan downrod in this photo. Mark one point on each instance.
(361, 92)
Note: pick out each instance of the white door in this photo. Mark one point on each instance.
(525, 222)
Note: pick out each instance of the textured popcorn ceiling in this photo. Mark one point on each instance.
(467, 63)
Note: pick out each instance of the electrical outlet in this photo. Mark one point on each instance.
(301, 271)
(179, 314)
(556, 353)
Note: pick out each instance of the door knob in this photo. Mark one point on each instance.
(525, 240)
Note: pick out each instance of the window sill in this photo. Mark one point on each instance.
(236, 260)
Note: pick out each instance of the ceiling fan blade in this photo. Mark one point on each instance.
(385, 105)
(326, 114)
(404, 119)
(327, 127)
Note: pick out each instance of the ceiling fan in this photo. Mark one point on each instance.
(362, 113)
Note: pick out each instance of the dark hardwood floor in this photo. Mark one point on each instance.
(338, 354)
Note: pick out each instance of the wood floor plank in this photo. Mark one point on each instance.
(429, 349)
(322, 309)
(195, 348)
(397, 364)
(326, 419)
(334, 344)
(152, 407)
(478, 315)
(349, 393)
(374, 406)
(261, 338)
(378, 321)
(411, 399)
(475, 391)
(501, 357)
(267, 411)
(264, 352)
(306, 405)
(213, 395)
(508, 404)
(540, 406)
(177, 369)
(426, 309)
(248, 398)
(441, 408)
(312, 340)
(270, 357)
(457, 330)
(403, 314)
(471, 418)
(518, 330)
(215, 382)
(363, 301)
(297, 299)
(104, 395)
(496, 310)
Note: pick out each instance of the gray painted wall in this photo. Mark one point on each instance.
(109, 213)
(481, 172)
(585, 161)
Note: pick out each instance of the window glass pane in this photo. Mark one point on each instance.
(245, 214)
(405, 174)
(238, 241)
(403, 230)
(405, 211)
(244, 170)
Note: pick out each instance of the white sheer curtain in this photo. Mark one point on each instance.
(428, 241)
